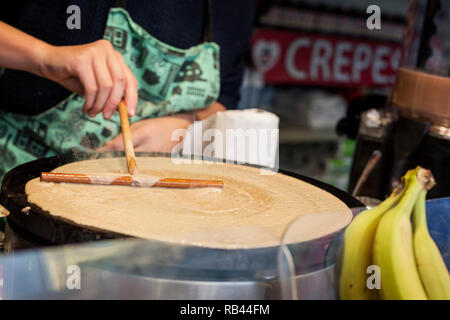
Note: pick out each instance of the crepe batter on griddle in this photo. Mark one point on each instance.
(252, 210)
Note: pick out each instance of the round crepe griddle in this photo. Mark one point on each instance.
(48, 229)
(57, 230)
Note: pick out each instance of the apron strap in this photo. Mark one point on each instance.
(208, 32)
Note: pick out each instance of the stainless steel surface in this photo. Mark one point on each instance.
(317, 285)
(28, 276)
(126, 269)
(139, 287)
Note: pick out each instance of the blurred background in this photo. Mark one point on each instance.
(308, 61)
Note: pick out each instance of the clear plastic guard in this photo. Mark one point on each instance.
(142, 269)
(313, 249)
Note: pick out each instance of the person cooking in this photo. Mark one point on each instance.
(171, 61)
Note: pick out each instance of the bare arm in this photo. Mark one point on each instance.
(19, 50)
(94, 70)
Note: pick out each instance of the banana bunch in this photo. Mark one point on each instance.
(409, 261)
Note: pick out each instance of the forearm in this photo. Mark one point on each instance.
(210, 110)
(19, 50)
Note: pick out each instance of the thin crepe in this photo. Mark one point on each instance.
(252, 210)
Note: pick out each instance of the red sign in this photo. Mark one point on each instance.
(305, 58)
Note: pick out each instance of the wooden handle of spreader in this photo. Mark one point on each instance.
(135, 181)
(127, 141)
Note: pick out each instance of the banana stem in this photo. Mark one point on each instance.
(425, 178)
(418, 182)
(419, 212)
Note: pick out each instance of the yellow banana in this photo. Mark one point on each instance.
(393, 245)
(357, 251)
(431, 266)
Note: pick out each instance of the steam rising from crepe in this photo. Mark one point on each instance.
(252, 210)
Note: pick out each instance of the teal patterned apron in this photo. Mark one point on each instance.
(170, 80)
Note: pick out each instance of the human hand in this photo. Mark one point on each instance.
(94, 70)
(152, 135)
